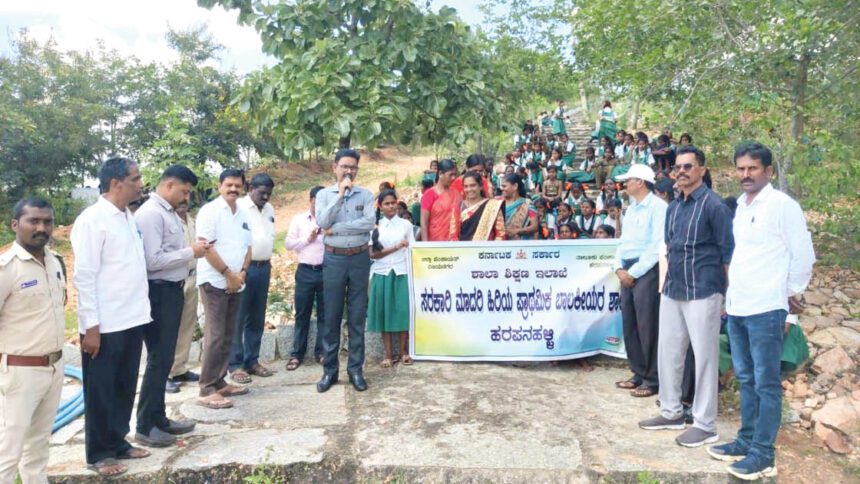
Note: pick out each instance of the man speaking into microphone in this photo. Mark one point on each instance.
(346, 214)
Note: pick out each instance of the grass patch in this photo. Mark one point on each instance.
(280, 237)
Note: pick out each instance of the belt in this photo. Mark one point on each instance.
(49, 360)
(260, 263)
(162, 282)
(310, 266)
(349, 251)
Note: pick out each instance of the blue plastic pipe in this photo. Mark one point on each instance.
(73, 407)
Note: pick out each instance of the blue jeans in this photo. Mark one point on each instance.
(756, 345)
(251, 318)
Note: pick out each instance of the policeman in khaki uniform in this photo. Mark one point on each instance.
(32, 294)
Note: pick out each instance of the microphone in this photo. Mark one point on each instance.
(348, 190)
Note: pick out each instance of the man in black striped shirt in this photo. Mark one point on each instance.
(699, 242)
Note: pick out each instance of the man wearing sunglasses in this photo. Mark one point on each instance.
(699, 247)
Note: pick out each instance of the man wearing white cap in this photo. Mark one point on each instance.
(636, 267)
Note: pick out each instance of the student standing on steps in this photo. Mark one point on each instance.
(770, 268)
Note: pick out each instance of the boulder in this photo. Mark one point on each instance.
(838, 414)
(841, 296)
(816, 298)
(833, 361)
(852, 323)
(846, 337)
(812, 311)
(822, 338)
(826, 321)
(837, 443)
(808, 326)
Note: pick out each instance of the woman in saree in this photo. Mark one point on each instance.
(607, 122)
(517, 215)
(478, 214)
(440, 207)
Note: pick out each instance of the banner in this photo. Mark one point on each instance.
(514, 300)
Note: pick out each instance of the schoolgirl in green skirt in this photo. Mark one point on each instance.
(388, 305)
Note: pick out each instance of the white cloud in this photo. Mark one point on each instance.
(133, 27)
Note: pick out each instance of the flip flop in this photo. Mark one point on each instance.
(627, 384)
(643, 392)
(214, 403)
(134, 453)
(101, 467)
(233, 390)
(260, 370)
(293, 364)
(406, 360)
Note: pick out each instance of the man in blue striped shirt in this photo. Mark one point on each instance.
(699, 248)
(636, 267)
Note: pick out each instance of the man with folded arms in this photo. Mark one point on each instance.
(347, 215)
(32, 324)
(699, 247)
(221, 278)
(167, 257)
(113, 307)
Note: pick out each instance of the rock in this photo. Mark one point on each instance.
(833, 361)
(852, 292)
(822, 338)
(806, 414)
(816, 298)
(808, 326)
(825, 322)
(810, 403)
(838, 414)
(855, 395)
(837, 443)
(812, 311)
(268, 346)
(846, 337)
(832, 396)
(823, 384)
(841, 296)
(787, 385)
(840, 313)
(805, 424)
(852, 323)
(801, 377)
(801, 389)
(792, 416)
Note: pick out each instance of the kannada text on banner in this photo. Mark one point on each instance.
(524, 301)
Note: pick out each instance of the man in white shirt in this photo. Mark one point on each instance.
(221, 278)
(770, 267)
(113, 305)
(245, 351)
(305, 237)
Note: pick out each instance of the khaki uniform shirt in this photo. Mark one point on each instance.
(32, 296)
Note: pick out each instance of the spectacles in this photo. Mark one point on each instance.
(684, 167)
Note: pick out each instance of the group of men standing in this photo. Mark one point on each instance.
(136, 275)
(757, 262)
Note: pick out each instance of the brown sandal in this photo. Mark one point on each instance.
(260, 370)
(109, 467)
(643, 392)
(216, 401)
(293, 364)
(626, 384)
(406, 360)
(240, 376)
(134, 453)
(232, 391)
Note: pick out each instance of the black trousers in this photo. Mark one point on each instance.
(640, 310)
(110, 382)
(160, 337)
(309, 286)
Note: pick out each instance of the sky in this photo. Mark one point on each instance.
(138, 27)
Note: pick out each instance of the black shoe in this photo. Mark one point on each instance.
(358, 382)
(177, 427)
(326, 382)
(155, 438)
(171, 386)
(187, 376)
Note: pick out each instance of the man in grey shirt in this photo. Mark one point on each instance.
(167, 256)
(346, 214)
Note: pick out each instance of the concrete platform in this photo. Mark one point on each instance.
(431, 422)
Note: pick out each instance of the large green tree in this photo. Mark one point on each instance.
(361, 72)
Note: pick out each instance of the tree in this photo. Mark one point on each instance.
(360, 72)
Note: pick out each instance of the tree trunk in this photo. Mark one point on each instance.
(798, 105)
(480, 144)
(344, 142)
(583, 101)
(634, 116)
